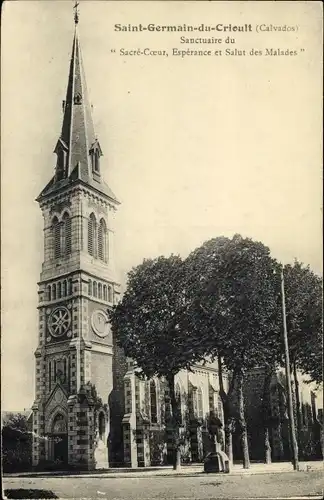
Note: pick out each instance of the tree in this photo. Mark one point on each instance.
(303, 293)
(16, 442)
(149, 325)
(235, 307)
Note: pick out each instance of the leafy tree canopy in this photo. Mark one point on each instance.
(236, 307)
(15, 426)
(149, 323)
(15, 420)
(303, 291)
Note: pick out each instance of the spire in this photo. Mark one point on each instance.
(77, 135)
(78, 150)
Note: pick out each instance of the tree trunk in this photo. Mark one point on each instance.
(267, 446)
(298, 406)
(175, 424)
(226, 410)
(242, 422)
(266, 414)
(228, 442)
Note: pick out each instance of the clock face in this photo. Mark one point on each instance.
(59, 321)
(100, 324)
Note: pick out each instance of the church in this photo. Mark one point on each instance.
(90, 409)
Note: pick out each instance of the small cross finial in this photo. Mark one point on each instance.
(76, 13)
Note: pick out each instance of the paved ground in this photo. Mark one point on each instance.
(181, 487)
(186, 470)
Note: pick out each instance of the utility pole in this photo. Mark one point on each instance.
(288, 378)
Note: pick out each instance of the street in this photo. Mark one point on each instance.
(199, 487)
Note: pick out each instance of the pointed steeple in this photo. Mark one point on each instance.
(78, 150)
(77, 133)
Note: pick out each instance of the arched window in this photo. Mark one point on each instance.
(105, 295)
(54, 292)
(89, 287)
(95, 289)
(102, 426)
(48, 292)
(102, 241)
(56, 236)
(99, 291)
(179, 401)
(69, 372)
(59, 290)
(200, 409)
(167, 402)
(153, 404)
(69, 291)
(49, 376)
(92, 235)
(110, 294)
(64, 288)
(66, 234)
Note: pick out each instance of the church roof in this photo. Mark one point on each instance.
(77, 140)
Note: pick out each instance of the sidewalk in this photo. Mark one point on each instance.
(186, 470)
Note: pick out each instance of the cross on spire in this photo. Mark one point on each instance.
(76, 13)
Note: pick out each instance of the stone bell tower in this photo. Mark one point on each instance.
(74, 357)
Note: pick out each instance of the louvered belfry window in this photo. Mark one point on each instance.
(67, 234)
(56, 231)
(102, 241)
(92, 235)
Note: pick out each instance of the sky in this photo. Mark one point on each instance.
(194, 147)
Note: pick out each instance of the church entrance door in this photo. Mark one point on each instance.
(59, 433)
(61, 449)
